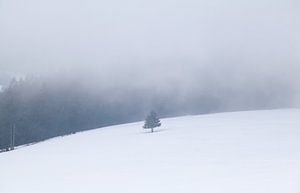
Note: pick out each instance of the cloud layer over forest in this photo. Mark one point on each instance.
(246, 53)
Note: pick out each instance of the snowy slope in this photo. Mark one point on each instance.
(242, 152)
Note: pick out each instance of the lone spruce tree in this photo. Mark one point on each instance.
(152, 121)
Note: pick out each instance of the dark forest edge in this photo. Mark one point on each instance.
(42, 109)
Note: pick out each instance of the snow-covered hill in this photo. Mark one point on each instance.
(242, 152)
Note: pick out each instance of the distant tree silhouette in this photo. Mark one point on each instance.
(152, 121)
(41, 108)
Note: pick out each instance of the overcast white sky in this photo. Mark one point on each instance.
(188, 43)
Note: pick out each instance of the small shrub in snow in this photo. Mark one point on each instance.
(152, 121)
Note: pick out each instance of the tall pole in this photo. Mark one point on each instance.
(12, 142)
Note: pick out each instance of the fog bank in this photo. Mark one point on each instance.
(243, 53)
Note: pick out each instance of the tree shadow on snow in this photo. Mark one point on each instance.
(155, 131)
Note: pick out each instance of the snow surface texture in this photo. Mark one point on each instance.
(242, 152)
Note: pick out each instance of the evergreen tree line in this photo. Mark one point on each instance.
(39, 110)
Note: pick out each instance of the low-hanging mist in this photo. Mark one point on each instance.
(244, 53)
(100, 63)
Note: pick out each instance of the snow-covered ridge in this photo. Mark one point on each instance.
(240, 152)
